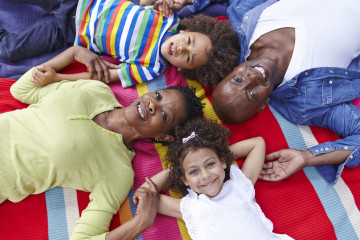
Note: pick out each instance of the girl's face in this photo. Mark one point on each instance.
(186, 50)
(204, 172)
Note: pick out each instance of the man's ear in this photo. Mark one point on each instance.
(185, 181)
(165, 138)
(263, 105)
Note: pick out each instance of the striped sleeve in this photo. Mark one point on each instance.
(128, 32)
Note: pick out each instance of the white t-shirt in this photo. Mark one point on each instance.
(232, 214)
(327, 32)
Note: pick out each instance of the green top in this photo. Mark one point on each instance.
(55, 142)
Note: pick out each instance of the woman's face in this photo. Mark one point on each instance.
(155, 114)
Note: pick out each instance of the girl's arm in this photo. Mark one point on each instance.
(97, 67)
(168, 205)
(254, 151)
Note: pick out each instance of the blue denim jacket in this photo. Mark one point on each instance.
(319, 97)
(322, 97)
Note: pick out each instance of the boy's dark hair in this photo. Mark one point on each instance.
(209, 134)
(224, 54)
(193, 104)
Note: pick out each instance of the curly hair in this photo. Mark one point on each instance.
(224, 54)
(209, 134)
(193, 104)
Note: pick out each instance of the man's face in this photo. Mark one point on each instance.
(245, 91)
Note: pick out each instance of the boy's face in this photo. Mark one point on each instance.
(186, 50)
(204, 172)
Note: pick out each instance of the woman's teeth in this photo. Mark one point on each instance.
(140, 112)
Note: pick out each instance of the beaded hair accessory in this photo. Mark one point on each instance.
(191, 136)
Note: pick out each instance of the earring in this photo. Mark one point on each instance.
(179, 69)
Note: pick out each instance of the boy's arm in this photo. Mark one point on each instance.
(97, 67)
(44, 75)
(254, 151)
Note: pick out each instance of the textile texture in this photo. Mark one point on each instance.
(303, 206)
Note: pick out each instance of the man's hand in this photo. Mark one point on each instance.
(284, 163)
(43, 75)
(147, 201)
(167, 7)
(94, 63)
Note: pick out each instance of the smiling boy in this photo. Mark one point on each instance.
(145, 41)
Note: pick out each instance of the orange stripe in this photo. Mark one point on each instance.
(151, 35)
(125, 211)
(111, 25)
(83, 24)
(132, 75)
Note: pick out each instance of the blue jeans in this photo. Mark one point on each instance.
(54, 31)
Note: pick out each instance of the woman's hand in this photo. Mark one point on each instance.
(94, 63)
(147, 201)
(43, 75)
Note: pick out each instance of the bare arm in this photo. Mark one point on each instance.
(167, 7)
(286, 162)
(254, 151)
(168, 205)
(97, 67)
(148, 200)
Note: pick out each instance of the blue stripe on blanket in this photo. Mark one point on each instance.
(330, 200)
(132, 205)
(55, 205)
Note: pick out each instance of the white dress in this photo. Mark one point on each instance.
(232, 214)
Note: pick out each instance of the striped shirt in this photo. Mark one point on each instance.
(127, 32)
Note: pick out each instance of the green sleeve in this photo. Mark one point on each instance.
(105, 201)
(25, 91)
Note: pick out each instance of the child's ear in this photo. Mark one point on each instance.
(182, 31)
(185, 181)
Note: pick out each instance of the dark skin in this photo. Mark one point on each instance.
(277, 45)
(152, 115)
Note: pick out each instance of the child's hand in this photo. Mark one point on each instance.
(167, 7)
(149, 184)
(147, 201)
(97, 67)
(145, 3)
(43, 75)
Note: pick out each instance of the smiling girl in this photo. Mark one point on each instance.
(200, 162)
